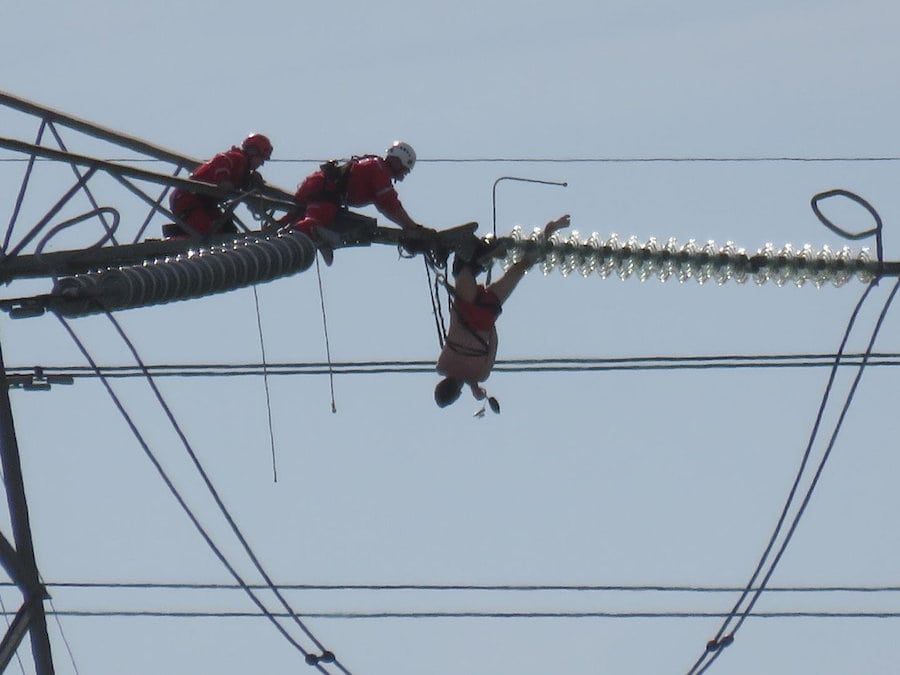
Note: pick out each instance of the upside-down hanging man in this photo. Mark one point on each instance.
(470, 348)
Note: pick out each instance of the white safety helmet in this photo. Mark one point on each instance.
(403, 152)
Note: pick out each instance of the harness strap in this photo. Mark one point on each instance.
(465, 350)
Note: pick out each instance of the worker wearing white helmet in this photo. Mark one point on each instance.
(360, 181)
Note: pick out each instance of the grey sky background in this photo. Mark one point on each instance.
(606, 478)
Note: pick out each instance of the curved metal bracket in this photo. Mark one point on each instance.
(877, 230)
(494, 200)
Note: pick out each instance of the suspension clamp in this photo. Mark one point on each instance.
(37, 381)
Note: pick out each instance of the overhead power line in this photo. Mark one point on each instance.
(19, 374)
(662, 588)
(747, 159)
(192, 614)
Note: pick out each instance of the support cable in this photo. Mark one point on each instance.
(329, 657)
(262, 349)
(327, 341)
(311, 658)
(723, 639)
(62, 634)
(713, 647)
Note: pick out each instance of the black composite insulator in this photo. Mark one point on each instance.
(199, 272)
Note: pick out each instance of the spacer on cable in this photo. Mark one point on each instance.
(715, 645)
(325, 657)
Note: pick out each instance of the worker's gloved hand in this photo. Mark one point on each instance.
(421, 231)
(256, 180)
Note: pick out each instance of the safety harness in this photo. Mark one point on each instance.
(337, 178)
(476, 316)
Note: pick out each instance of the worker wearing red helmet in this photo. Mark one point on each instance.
(234, 169)
(361, 181)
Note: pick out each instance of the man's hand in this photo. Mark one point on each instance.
(555, 225)
(550, 228)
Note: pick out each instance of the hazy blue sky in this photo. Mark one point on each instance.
(606, 478)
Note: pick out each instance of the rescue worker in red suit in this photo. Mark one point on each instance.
(362, 181)
(234, 169)
(471, 346)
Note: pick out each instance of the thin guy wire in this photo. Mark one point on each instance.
(193, 518)
(211, 488)
(550, 160)
(63, 634)
(262, 349)
(327, 341)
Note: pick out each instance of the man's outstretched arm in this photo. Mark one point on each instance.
(505, 285)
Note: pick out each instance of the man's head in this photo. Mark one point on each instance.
(401, 158)
(258, 149)
(447, 391)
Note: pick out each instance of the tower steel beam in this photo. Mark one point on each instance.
(123, 140)
(95, 130)
(14, 635)
(32, 613)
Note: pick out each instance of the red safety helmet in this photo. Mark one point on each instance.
(259, 144)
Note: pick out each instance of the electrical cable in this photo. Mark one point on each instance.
(186, 614)
(760, 159)
(660, 588)
(216, 497)
(713, 647)
(546, 365)
(171, 486)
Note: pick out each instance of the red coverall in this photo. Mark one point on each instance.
(202, 212)
(370, 182)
